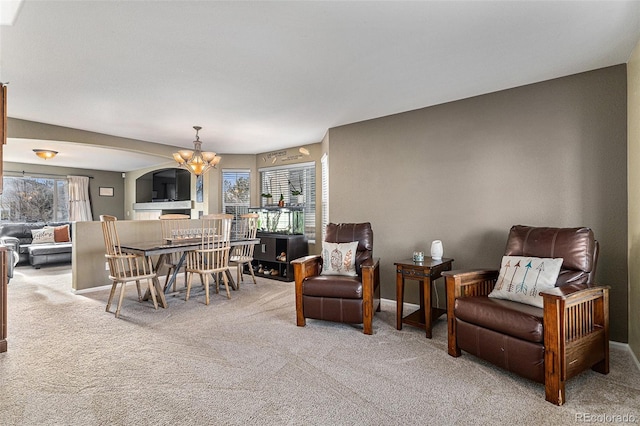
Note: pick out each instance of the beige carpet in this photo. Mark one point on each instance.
(243, 361)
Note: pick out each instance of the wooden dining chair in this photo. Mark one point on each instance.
(125, 267)
(243, 254)
(174, 226)
(212, 258)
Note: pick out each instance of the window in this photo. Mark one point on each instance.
(34, 199)
(236, 194)
(325, 193)
(289, 181)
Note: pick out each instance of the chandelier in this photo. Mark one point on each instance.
(196, 161)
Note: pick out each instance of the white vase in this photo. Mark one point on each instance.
(436, 250)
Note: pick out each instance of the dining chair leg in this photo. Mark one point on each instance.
(139, 292)
(189, 279)
(122, 286)
(152, 291)
(239, 274)
(113, 291)
(216, 277)
(226, 284)
(206, 289)
(252, 276)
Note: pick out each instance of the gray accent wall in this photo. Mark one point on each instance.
(547, 154)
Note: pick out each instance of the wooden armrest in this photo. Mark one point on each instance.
(470, 282)
(466, 274)
(372, 263)
(573, 291)
(305, 259)
(307, 266)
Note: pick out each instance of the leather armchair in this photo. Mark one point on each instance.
(549, 345)
(335, 297)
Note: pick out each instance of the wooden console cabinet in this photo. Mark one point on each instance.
(271, 247)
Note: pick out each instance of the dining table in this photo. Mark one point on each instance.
(164, 248)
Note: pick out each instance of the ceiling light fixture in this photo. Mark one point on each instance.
(45, 154)
(196, 161)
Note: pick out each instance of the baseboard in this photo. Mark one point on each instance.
(626, 347)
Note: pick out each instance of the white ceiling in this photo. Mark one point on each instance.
(260, 76)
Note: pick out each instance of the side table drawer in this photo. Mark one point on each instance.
(418, 273)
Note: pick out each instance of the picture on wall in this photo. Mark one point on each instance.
(106, 191)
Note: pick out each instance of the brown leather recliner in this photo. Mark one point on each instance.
(549, 345)
(335, 297)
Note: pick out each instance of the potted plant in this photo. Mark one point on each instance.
(268, 198)
(295, 192)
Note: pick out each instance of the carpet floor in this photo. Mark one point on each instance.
(244, 361)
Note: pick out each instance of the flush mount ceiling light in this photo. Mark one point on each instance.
(45, 154)
(196, 161)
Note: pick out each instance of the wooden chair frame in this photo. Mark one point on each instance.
(309, 266)
(125, 267)
(243, 253)
(575, 322)
(213, 256)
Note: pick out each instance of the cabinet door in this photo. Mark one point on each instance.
(266, 250)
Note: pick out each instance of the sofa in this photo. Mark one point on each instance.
(38, 243)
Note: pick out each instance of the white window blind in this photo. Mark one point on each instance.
(288, 181)
(325, 193)
(236, 194)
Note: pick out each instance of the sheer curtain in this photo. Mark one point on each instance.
(79, 201)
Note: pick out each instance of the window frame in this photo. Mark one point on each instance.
(239, 208)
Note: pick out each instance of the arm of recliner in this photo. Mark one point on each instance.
(370, 291)
(464, 283)
(576, 334)
(470, 282)
(304, 267)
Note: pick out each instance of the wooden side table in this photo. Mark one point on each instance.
(425, 273)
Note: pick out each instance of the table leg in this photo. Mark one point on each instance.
(174, 275)
(399, 299)
(159, 292)
(427, 307)
(232, 282)
(159, 263)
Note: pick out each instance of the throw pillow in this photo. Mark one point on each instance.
(339, 258)
(521, 279)
(42, 236)
(61, 234)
